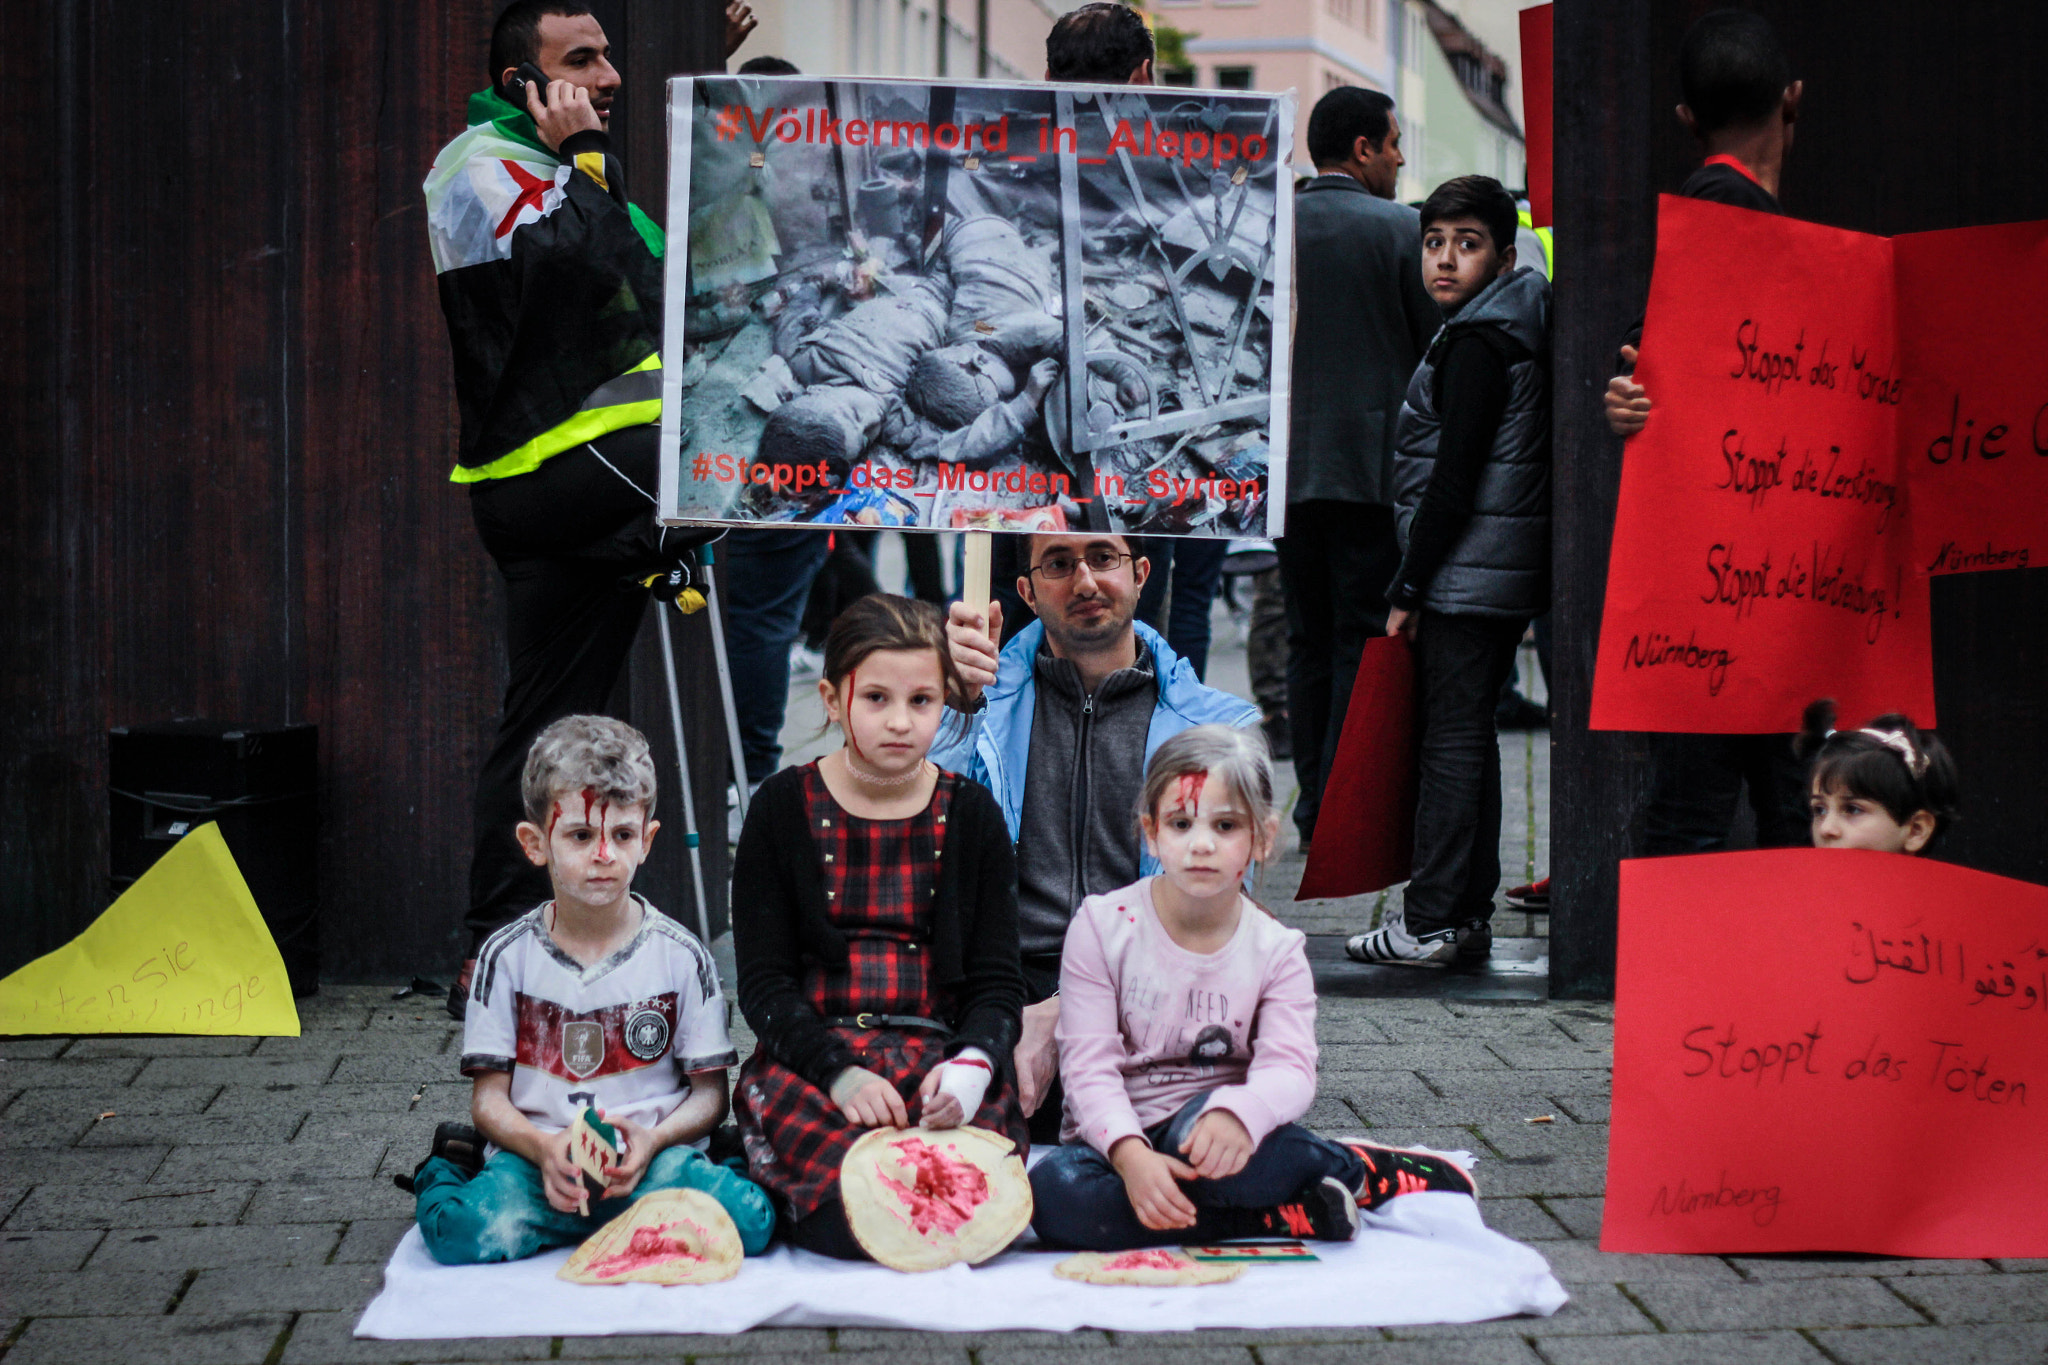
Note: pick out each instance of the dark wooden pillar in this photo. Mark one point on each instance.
(1916, 117)
(230, 419)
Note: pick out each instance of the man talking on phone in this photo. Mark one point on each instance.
(551, 283)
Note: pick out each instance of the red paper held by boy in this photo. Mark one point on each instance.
(1762, 550)
(1847, 1055)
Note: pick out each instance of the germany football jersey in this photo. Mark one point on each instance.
(622, 1035)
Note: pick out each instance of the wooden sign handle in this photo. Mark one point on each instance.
(974, 569)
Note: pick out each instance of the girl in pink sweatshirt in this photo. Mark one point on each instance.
(1187, 1038)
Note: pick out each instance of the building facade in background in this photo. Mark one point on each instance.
(1452, 68)
(1459, 99)
(916, 38)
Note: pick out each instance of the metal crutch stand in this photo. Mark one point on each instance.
(732, 715)
(675, 717)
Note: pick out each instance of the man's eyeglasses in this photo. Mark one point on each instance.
(1099, 561)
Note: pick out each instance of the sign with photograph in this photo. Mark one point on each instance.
(976, 306)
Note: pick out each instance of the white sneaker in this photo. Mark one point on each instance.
(1392, 943)
(805, 662)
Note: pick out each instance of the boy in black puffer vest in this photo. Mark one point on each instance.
(1472, 511)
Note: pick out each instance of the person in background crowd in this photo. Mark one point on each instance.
(560, 431)
(1362, 321)
(1742, 104)
(1472, 481)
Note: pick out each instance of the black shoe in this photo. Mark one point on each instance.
(457, 1143)
(1279, 738)
(1391, 1171)
(1323, 1212)
(1517, 712)
(1475, 946)
(458, 994)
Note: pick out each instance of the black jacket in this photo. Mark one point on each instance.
(1362, 320)
(781, 924)
(1498, 564)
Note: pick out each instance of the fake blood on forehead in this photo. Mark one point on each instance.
(852, 682)
(603, 810)
(650, 1246)
(1188, 791)
(944, 1191)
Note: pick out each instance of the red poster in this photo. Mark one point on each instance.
(1365, 831)
(1973, 426)
(1762, 556)
(1825, 1050)
(1536, 108)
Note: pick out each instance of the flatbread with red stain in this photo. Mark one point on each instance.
(926, 1198)
(668, 1237)
(1156, 1266)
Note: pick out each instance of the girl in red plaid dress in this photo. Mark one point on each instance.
(875, 923)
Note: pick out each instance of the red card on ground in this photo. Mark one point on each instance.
(1762, 556)
(1973, 425)
(1827, 1050)
(1536, 109)
(1365, 831)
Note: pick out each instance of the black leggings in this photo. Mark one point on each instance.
(568, 539)
(826, 1232)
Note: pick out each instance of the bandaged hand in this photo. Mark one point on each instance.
(952, 1091)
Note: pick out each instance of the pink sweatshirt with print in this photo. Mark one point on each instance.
(1145, 1025)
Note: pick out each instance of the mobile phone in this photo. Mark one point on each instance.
(515, 89)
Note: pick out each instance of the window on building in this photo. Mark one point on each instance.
(1346, 10)
(1176, 75)
(1233, 78)
(1416, 33)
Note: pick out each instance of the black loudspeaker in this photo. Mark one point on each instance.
(168, 779)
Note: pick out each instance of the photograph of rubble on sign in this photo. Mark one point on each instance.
(1031, 307)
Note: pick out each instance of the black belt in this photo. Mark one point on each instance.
(865, 1020)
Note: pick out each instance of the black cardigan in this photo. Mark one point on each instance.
(780, 924)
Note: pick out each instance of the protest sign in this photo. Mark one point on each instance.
(1365, 830)
(1762, 555)
(1536, 122)
(1828, 1050)
(1973, 423)
(976, 306)
(184, 950)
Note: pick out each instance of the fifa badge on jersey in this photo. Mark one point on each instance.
(647, 1034)
(582, 1047)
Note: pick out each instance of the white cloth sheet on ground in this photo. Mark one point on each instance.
(1424, 1257)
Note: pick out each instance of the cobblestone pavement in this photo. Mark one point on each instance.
(187, 1201)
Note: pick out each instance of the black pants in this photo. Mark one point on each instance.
(1695, 781)
(566, 538)
(826, 1232)
(1461, 662)
(1336, 562)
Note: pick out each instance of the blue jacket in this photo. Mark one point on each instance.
(995, 746)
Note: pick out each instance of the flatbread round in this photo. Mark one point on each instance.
(1158, 1266)
(668, 1237)
(926, 1198)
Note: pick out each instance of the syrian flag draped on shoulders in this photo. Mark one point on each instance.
(551, 283)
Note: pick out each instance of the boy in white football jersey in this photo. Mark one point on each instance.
(592, 999)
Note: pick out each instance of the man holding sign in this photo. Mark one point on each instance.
(1741, 103)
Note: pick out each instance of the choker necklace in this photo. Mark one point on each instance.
(846, 757)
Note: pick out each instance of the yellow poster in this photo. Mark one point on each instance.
(184, 950)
